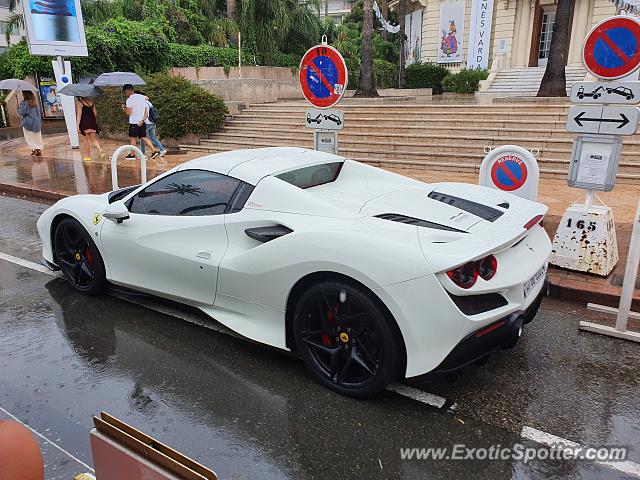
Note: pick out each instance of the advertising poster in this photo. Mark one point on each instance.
(49, 98)
(480, 33)
(54, 27)
(451, 32)
(413, 31)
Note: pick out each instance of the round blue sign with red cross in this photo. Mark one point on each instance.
(323, 76)
(612, 48)
(509, 173)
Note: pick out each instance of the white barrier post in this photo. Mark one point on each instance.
(114, 164)
(623, 311)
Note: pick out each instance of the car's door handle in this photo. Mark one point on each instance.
(206, 254)
(266, 234)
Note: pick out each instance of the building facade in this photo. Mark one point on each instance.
(474, 33)
(336, 9)
(4, 16)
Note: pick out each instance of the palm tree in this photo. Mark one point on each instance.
(366, 85)
(231, 9)
(402, 8)
(15, 21)
(554, 81)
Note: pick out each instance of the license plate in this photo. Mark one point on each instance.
(533, 281)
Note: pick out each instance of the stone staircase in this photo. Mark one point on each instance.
(429, 136)
(526, 81)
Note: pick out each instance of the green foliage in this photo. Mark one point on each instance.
(385, 49)
(353, 67)
(184, 108)
(18, 63)
(286, 60)
(126, 46)
(386, 73)
(201, 56)
(465, 81)
(426, 75)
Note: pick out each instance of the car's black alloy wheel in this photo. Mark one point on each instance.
(78, 257)
(345, 339)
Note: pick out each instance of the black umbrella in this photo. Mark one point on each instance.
(80, 90)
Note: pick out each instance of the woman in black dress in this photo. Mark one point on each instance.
(88, 126)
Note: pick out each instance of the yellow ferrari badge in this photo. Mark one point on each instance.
(344, 337)
(96, 218)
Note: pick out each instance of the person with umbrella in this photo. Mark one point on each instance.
(86, 115)
(138, 111)
(31, 123)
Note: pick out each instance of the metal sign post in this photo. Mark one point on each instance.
(623, 312)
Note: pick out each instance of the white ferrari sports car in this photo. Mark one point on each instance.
(367, 275)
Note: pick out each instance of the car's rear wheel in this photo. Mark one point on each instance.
(346, 339)
(79, 258)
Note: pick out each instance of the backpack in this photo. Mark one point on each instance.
(154, 114)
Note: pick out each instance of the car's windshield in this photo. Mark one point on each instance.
(313, 176)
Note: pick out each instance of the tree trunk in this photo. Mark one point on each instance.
(366, 86)
(231, 9)
(554, 82)
(384, 9)
(402, 8)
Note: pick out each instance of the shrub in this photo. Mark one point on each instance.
(184, 108)
(353, 67)
(426, 75)
(201, 56)
(291, 60)
(465, 81)
(18, 63)
(386, 73)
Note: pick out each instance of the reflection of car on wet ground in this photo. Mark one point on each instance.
(368, 275)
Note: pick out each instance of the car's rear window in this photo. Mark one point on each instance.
(313, 176)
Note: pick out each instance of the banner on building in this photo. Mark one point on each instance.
(480, 33)
(413, 31)
(49, 98)
(55, 28)
(452, 32)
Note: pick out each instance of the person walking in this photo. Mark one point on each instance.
(86, 116)
(31, 123)
(136, 108)
(152, 132)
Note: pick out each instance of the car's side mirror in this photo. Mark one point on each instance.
(116, 212)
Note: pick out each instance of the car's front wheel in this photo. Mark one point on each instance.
(78, 257)
(345, 339)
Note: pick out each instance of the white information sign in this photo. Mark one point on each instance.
(615, 92)
(602, 119)
(594, 162)
(325, 119)
(55, 28)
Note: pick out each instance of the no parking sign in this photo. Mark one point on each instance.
(323, 76)
(612, 48)
(512, 169)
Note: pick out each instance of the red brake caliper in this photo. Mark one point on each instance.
(326, 340)
(89, 256)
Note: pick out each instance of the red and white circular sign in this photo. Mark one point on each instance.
(612, 48)
(323, 76)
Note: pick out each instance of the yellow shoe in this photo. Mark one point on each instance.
(86, 159)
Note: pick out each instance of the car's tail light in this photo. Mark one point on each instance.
(533, 221)
(487, 267)
(464, 276)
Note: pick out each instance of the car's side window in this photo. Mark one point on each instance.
(188, 192)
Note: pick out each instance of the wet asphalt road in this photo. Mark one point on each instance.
(250, 412)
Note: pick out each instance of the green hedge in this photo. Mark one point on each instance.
(201, 56)
(465, 81)
(184, 108)
(386, 73)
(426, 75)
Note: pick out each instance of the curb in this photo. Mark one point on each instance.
(19, 189)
